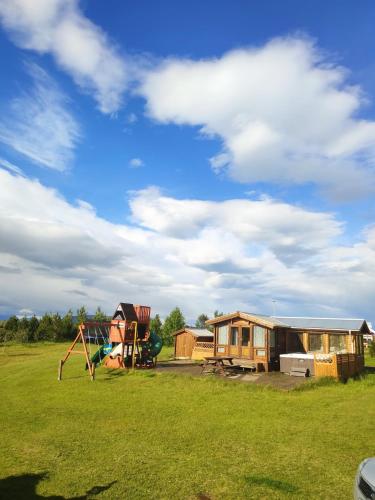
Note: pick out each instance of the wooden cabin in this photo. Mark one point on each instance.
(266, 341)
(193, 343)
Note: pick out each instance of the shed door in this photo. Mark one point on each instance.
(183, 347)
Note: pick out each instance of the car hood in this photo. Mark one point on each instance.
(368, 471)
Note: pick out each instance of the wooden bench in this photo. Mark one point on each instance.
(298, 371)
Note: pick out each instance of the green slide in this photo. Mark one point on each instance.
(101, 353)
(153, 346)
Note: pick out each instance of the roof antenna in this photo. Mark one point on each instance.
(274, 307)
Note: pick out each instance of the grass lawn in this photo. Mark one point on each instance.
(147, 435)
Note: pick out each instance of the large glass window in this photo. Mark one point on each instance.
(337, 343)
(259, 336)
(245, 337)
(234, 336)
(316, 342)
(222, 335)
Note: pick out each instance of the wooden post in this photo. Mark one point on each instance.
(135, 338)
(59, 374)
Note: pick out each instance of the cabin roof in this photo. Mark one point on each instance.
(307, 323)
(256, 318)
(196, 332)
(322, 323)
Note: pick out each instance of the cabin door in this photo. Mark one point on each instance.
(245, 342)
(234, 341)
(239, 341)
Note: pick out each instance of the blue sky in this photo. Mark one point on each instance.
(208, 155)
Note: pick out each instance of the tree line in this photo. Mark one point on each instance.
(53, 327)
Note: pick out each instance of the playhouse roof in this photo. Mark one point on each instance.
(125, 311)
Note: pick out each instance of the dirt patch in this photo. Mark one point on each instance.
(273, 379)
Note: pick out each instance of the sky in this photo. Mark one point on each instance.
(207, 155)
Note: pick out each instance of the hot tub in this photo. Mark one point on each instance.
(297, 360)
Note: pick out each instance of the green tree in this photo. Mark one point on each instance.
(57, 327)
(45, 330)
(69, 330)
(217, 314)
(175, 321)
(23, 331)
(33, 327)
(81, 315)
(156, 325)
(201, 321)
(12, 324)
(99, 315)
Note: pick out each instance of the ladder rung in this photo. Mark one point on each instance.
(76, 352)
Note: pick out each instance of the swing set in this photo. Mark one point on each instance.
(124, 342)
(89, 333)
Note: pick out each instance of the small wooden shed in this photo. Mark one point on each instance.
(188, 342)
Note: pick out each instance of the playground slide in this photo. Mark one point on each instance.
(101, 353)
(116, 351)
(150, 349)
(155, 344)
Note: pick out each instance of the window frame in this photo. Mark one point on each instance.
(258, 328)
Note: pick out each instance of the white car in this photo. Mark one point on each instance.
(364, 484)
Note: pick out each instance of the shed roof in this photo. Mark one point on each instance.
(196, 332)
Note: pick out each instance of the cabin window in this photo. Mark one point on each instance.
(337, 343)
(222, 335)
(261, 353)
(259, 336)
(272, 339)
(234, 336)
(316, 342)
(245, 337)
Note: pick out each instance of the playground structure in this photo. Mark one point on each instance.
(124, 342)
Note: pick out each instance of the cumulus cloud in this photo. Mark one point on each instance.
(136, 163)
(81, 48)
(284, 112)
(39, 125)
(201, 255)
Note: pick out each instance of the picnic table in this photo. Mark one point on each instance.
(219, 364)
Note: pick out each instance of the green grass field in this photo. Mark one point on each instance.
(164, 436)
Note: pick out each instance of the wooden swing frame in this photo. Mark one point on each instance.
(85, 352)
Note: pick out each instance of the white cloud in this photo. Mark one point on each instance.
(136, 163)
(131, 118)
(10, 166)
(201, 255)
(81, 48)
(283, 111)
(39, 125)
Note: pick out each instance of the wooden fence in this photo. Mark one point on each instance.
(340, 366)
